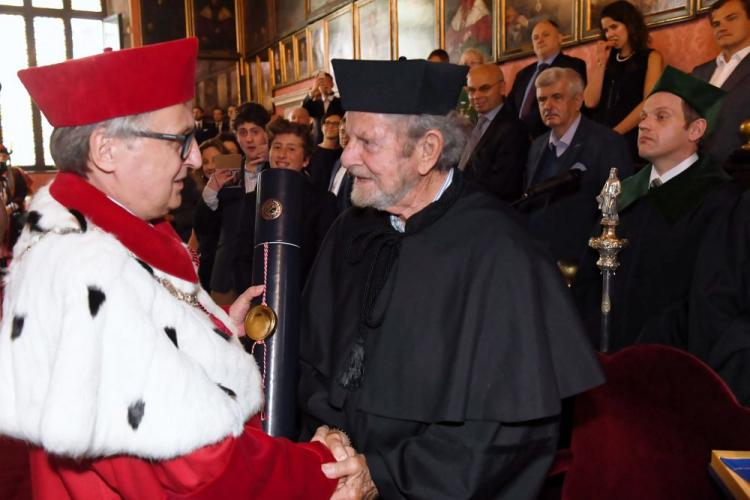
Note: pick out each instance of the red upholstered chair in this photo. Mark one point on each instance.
(649, 431)
(15, 476)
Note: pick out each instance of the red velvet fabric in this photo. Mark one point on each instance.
(649, 431)
(15, 483)
(115, 83)
(251, 466)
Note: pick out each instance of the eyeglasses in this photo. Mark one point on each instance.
(185, 140)
(482, 89)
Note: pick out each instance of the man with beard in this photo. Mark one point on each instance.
(432, 332)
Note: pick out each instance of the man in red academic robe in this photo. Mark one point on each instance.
(123, 376)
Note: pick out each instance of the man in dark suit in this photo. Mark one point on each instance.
(321, 101)
(220, 122)
(546, 39)
(730, 71)
(204, 129)
(563, 218)
(495, 153)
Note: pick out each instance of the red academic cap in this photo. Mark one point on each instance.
(115, 83)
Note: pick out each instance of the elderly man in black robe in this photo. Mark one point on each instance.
(433, 333)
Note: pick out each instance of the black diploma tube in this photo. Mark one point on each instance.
(276, 263)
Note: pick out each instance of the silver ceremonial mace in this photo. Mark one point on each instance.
(608, 245)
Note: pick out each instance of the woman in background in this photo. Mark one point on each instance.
(207, 222)
(626, 70)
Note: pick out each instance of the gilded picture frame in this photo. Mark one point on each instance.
(302, 55)
(318, 47)
(518, 18)
(468, 24)
(289, 68)
(340, 35)
(373, 29)
(416, 27)
(216, 25)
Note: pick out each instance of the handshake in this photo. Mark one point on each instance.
(350, 468)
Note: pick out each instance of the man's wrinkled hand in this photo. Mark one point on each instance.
(336, 441)
(354, 478)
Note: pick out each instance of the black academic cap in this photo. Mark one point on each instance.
(411, 87)
(703, 97)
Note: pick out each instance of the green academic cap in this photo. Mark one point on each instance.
(407, 87)
(703, 97)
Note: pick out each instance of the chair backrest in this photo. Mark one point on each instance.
(15, 475)
(649, 431)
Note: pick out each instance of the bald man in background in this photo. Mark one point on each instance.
(547, 40)
(495, 154)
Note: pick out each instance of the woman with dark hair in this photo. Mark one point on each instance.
(626, 70)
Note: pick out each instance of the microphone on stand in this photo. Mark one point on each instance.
(567, 178)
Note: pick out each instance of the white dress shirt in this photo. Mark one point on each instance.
(674, 171)
(724, 69)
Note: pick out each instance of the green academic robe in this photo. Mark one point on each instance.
(665, 228)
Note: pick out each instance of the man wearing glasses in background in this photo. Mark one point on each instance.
(327, 153)
(495, 154)
(120, 372)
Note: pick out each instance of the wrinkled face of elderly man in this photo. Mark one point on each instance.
(389, 169)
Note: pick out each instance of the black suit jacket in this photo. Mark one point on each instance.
(498, 160)
(317, 111)
(207, 130)
(515, 97)
(726, 137)
(563, 220)
(222, 127)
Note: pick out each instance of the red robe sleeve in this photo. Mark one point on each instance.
(253, 465)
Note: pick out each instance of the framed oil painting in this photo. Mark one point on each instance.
(301, 48)
(274, 53)
(374, 22)
(253, 80)
(468, 24)
(216, 26)
(704, 5)
(340, 28)
(417, 35)
(162, 20)
(319, 47)
(266, 85)
(519, 17)
(289, 73)
(293, 17)
(258, 30)
(317, 8)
